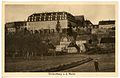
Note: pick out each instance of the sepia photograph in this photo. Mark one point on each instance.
(55, 37)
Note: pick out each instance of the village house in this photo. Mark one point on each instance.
(106, 29)
(107, 24)
(70, 45)
(86, 28)
(81, 45)
(72, 48)
(15, 26)
(95, 26)
(64, 42)
(80, 20)
(9, 27)
(81, 40)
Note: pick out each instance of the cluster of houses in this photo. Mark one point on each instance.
(48, 22)
(67, 44)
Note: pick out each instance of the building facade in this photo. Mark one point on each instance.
(10, 27)
(39, 21)
(107, 43)
(64, 42)
(107, 24)
(88, 24)
(15, 26)
(80, 20)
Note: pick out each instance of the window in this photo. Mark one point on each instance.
(44, 18)
(48, 18)
(56, 16)
(65, 16)
(28, 19)
(40, 18)
(63, 13)
(60, 16)
(37, 18)
(32, 19)
(53, 31)
(53, 17)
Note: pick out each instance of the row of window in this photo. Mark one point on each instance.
(54, 13)
(47, 18)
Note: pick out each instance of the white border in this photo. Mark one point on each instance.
(50, 0)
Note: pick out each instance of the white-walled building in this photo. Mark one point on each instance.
(38, 21)
(72, 49)
(64, 42)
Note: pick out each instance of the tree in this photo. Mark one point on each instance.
(69, 30)
(58, 27)
(26, 45)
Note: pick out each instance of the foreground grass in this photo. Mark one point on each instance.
(106, 63)
(45, 63)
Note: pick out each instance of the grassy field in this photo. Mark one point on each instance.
(106, 63)
(37, 63)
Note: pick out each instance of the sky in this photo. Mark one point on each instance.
(92, 12)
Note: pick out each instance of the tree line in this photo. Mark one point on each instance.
(26, 45)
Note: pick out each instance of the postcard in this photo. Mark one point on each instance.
(60, 39)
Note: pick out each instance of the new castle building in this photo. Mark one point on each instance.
(49, 20)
